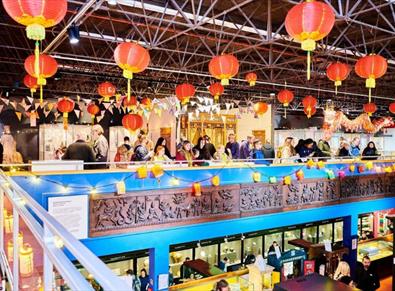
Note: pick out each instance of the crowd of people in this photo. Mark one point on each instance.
(199, 154)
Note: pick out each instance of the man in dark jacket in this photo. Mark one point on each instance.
(366, 277)
(209, 147)
(268, 151)
(232, 147)
(80, 150)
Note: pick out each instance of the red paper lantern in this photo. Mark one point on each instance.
(132, 122)
(251, 78)
(285, 97)
(223, 68)
(392, 108)
(184, 92)
(309, 102)
(93, 110)
(36, 15)
(146, 102)
(31, 83)
(260, 108)
(42, 67)
(130, 103)
(65, 105)
(337, 72)
(371, 67)
(132, 58)
(308, 22)
(106, 90)
(216, 89)
(370, 108)
(310, 112)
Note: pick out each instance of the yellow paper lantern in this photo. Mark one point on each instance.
(369, 165)
(157, 171)
(8, 223)
(121, 188)
(215, 181)
(299, 175)
(388, 169)
(197, 189)
(287, 180)
(26, 260)
(310, 164)
(142, 172)
(256, 176)
(352, 168)
(320, 165)
(393, 167)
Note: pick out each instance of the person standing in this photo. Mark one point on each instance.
(142, 151)
(209, 147)
(246, 147)
(287, 150)
(355, 150)
(144, 279)
(132, 280)
(232, 148)
(1, 153)
(343, 269)
(185, 153)
(366, 277)
(79, 150)
(100, 146)
(324, 146)
(268, 151)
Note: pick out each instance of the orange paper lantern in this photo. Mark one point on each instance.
(132, 58)
(309, 104)
(197, 189)
(146, 102)
(216, 89)
(106, 90)
(251, 78)
(130, 103)
(184, 92)
(93, 110)
(223, 68)
(391, 108)
(337, 72)
(260, 108)
(370, 108)
(31, 83)
(371, 67)
(310, 111)
(308, 22)
(132, 122)
(285, 97)
(65, 105)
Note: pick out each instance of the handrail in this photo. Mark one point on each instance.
(46, 237)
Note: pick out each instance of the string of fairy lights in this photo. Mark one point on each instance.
(258, 172)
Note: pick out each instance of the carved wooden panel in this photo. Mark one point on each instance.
(366, 186)
(114, 214)
(255, 197)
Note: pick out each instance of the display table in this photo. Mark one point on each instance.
(376, 248)
(312, 282)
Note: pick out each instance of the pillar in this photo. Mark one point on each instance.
(159, 264)
(350, 240)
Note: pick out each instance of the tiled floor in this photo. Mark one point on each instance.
(386, 284)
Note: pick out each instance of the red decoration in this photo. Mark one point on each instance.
(308, 22)
(216, 89)
(260, 108)
(130, 103)
(299, 175)
(310, 112)
(392, 108)
(132, 58)
(371, 67)
(65, 105)
(285, 97)
(223, 68)
(36, 14)
(31, 83)
(132, 122)
(146, 102)
(184, 92)
(370, 108)
(93, 110)
(41, 67)
(106, 90)
(337, 72)
(251, 78)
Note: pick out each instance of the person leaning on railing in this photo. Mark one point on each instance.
(370, 152)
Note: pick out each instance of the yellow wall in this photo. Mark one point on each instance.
(247, 123)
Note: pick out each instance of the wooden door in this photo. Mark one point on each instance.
(259, 134)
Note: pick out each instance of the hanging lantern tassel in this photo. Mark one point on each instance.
(197, 189)
(93, 119)
(370, 83)
(128, 75)
(308, 45)
(308, 65)
(285, 112)
(65, 120)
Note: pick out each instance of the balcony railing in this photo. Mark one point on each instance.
(19, 211)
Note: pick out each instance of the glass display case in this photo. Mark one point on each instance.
(365, 224)
(325, 232)
(253, 246)
(310, 234)
(207, 253)
(376, 249)
(232, 251)
(289, 235)
(270, 238)
(142, 263)
(338, 235)
(176, 258)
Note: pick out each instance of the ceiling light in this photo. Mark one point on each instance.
(74, 34)
(112, 2)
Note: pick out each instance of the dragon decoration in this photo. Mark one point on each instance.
(334, 120)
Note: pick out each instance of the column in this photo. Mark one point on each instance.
(350, 240)
(159, 264)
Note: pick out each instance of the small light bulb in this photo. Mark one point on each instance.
(93, 191)
(174, 181)
(58, 242)
(65, 189)
(36, 180)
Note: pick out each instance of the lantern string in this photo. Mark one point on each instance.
(128, 89)
(41, 94)
(308, 64)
